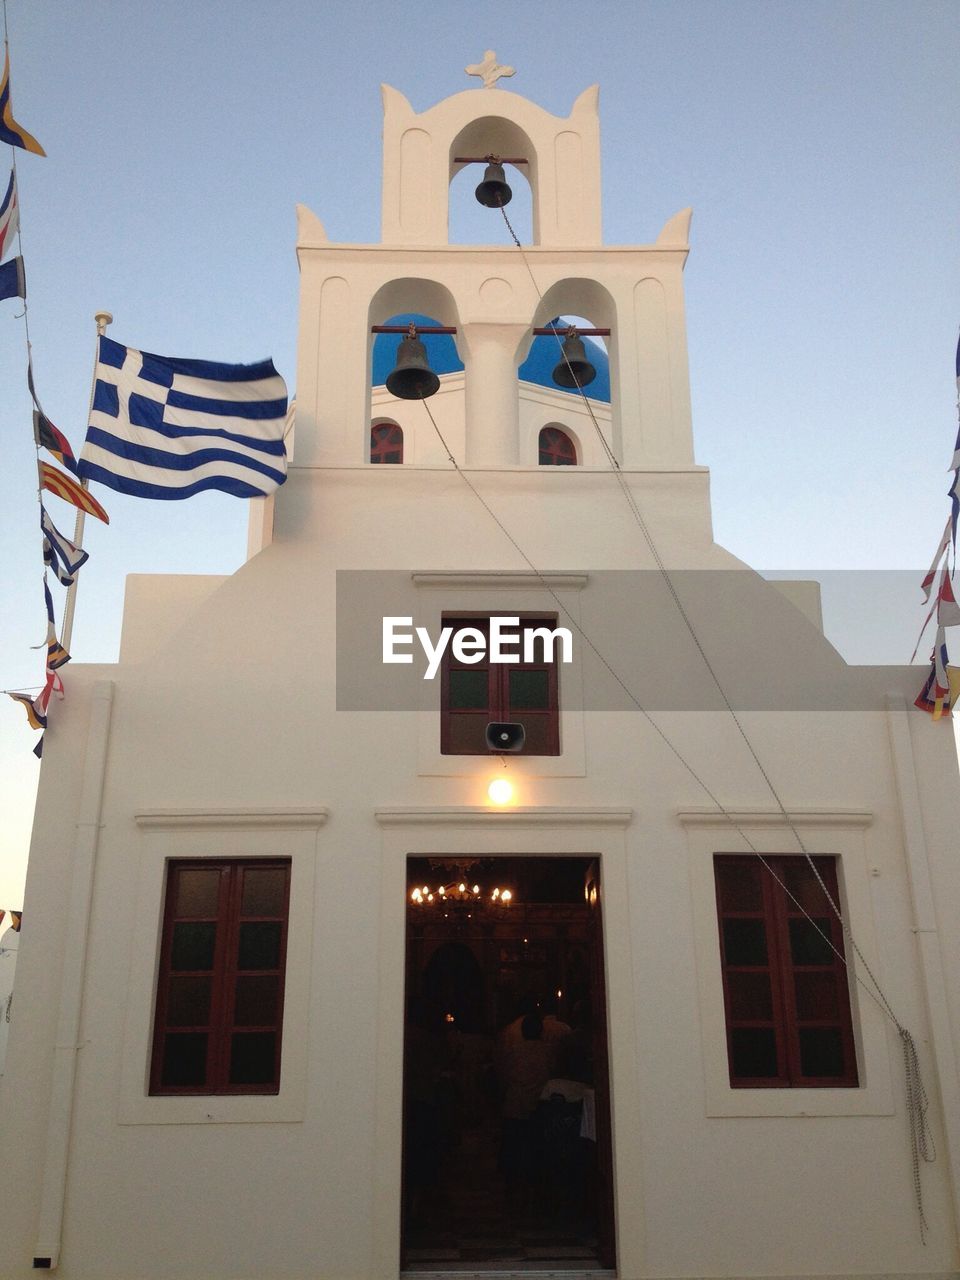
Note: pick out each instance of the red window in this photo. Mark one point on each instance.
(556, 448)
(475, 694)
(784, 985)
(386, 442)
(220, 992)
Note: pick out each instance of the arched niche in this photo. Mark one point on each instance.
(495, 135)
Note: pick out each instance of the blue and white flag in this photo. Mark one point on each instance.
(169, 428)
(64, 557)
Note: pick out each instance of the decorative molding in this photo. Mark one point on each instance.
(478, 815)
(508, 578)
(193, 819)
(706, 816)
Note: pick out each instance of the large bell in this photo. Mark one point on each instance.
(412, 378)
(493, 191)
(574, 369)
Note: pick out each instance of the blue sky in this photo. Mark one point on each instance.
(815, 142)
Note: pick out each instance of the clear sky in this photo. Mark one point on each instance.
(815, 141)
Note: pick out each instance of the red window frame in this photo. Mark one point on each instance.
(225, 979)
(556, 448)
(785, 991)
(462, 728)
(386, 442)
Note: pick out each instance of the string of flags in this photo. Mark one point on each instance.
(13, 285)
(159, 427)
(16, 919)
(941, 689)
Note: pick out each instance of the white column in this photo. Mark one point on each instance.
(492, 400)
(83, 862)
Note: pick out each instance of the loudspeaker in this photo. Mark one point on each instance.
(505, 737)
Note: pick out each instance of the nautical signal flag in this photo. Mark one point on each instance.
(9, 215)
(64, 557)
(163, 427)
(53, 441)
(37, 718)
(57, 655)
(10, 131)
(66, 487)
(13, 280)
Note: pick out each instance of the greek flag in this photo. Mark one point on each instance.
(169, 428)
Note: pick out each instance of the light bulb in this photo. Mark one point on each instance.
(500, 791)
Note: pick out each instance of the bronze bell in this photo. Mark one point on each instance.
(493, 191)
(412, 378)
(574, 369)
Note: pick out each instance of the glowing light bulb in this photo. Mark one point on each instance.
(500, 791)
(476, 889)
(507, 896)
(461, 888)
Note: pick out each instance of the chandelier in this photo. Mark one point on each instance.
(460, 892)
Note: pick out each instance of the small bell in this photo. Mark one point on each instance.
(574, 369)
(493, 191)
(412, 378)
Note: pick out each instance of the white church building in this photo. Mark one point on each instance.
(301, 996)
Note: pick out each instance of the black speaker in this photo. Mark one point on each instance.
(505, 737)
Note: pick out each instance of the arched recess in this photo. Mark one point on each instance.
(424, 302)
(494, 135)
(557, 446)
(470, 222)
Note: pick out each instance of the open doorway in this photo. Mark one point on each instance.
(507, 1150)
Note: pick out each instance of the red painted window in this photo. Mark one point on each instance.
(220, 992)
(473, 695)
(556, 448)
(386, 442)
(785, 986)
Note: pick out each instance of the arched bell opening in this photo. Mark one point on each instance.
(470, 222)
(436, 362)
(580, 366)
(474, 218)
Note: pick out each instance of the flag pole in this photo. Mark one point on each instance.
(102, 319)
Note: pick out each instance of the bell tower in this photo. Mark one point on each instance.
(494, 294)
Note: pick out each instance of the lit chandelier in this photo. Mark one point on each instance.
(461, 892)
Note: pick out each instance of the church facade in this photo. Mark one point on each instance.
(266, 1024)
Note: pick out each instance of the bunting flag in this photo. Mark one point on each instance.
(10, 131)
(38, 749)
(13, 281)
(948, 611)
(61, 555)
(66, 487)
(931, 574)
(2, 914)
(38, 719)
(53, 685)
(168, 428)
(57, 655)
(9, 215)
(16, 919)
(53, 441)
(942, 687)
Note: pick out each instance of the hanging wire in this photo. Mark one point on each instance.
(922, 1146)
